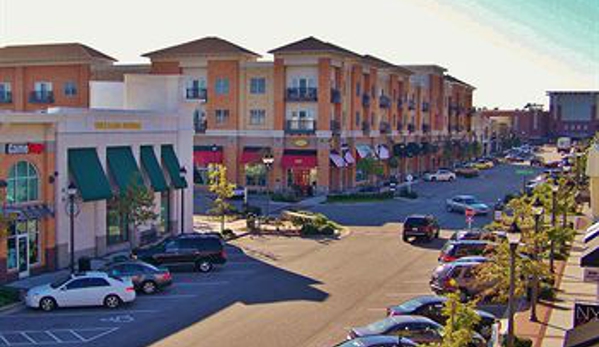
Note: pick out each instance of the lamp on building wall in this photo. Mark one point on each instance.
(71, 211)
(268, 160)
(183, 172)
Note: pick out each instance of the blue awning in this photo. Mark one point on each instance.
(591, 233)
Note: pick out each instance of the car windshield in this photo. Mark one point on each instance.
(409, 306)
(448, 248)
(471, 201)
(382, 326)
(415, 221)
(60, 282)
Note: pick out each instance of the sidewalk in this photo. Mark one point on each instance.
(557, 317)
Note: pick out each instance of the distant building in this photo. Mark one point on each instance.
(531, 123)
(574, 113)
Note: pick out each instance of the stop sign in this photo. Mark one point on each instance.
(469, 213)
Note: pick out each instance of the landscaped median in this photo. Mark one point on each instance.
(8, 296)
(359, 197)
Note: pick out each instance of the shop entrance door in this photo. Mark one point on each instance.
(301, 180)
(23, 255)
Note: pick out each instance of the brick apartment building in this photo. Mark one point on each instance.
(530, 123)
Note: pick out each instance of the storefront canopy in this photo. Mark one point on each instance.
(382, 152)
(337, 160)
(591, 233)
(299, 160)
(23, 213)
(349, 158)
(173, 167)
(364, 151)
(150, 165)
(253, 155)
(590, 258)
(400, 150)
(123, 167)
(88, 174)
(204, 156)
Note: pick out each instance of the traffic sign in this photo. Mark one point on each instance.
(469, 213)
(523, 172)
(409, 178)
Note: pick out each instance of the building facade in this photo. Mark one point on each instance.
(573, 113)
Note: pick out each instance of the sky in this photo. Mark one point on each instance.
(512, 51)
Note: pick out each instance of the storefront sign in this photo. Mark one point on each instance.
(591, 274)
(300, 142)
(585, 312)
(117, 125)
(24, 148)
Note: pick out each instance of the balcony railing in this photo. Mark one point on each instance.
(6, 98)
(336, 127)
(366, 127)
(196, 94)
(399, 127)
(385, 127)
(425, 107)
(365, 100)
(300, 126)
(384, 101)
(411, 105)
(399, 104)
(200, 126)
(425, 128)
(335, 96)
(411, 128)
(302, 94)
(41, 97)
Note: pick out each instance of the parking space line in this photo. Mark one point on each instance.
(5, 341)
(82, 314)
(216, 283)
(169, 296)
(27, 337)
(49, 333)
(76, 335)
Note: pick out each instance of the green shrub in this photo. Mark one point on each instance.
(255, 210)
(409, 194)
(370, 196)
(309, 229)
(8, 296)
(228, 234)
(285, 197)
(547, 292)
(519, 342)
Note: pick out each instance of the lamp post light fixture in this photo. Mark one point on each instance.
(514, 236)
(538, 211)
(554, 190)
(72, 194)
(268, 160)
(183, 172)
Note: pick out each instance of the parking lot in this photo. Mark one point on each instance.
(278, 291)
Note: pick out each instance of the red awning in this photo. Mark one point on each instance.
(304, 161)
(205, 158)
(251, 157)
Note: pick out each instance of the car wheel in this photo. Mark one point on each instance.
(405, 238)
(112, 301)
(47, 304)
(204, 266)
(433, 179)
(149, 287)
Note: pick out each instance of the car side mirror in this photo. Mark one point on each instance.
(63, 289)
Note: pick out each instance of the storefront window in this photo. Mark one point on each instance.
(163, 225)
(116, 225)
(360, 175)
(23, 183)
(23, 244)
(255, 175)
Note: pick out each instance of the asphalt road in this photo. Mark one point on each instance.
(276, 291)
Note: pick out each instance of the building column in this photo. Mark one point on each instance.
(323, 170)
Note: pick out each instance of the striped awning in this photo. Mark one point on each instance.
(22, 213)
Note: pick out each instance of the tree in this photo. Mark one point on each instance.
(135, 207)
(371, 167)
(223, 189)
(461, 320)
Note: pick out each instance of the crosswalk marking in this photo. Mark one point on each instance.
(60, 336)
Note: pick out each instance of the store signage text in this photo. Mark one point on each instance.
(117, 125)
(301, 142)
(24, 148)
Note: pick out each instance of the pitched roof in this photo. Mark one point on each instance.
(203, 46)
(385, 64)
(425, 68)
(117, 72)
(450, 78)
(56, 52)
(313, 45)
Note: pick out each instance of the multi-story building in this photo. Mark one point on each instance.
(530, 124)
(574, 113)
(35, 77)
(317, 108)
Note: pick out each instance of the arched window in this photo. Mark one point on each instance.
(23, 183)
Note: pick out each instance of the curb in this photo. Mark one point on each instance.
(10, 307)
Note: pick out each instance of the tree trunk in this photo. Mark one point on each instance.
(222, 222)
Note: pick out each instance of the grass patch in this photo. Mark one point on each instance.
(359, 197)
(8, 296)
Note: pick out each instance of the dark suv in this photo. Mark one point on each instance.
(203, 252)
(421, 226)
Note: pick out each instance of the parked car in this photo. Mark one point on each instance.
(378, 341)
(461, 203)
(477, 234)
(483, 164)
(467, 171)
(421, 226)
(419, 329)
(431, 306)
(203, 252)
(458, 277)
(82, 289)
(146, 277)
(238, 193)
(533, 183)
(440, 175)
(537, 161)
(454, 250)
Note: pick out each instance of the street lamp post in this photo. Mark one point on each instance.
(554, 189)
(514, 237)
(183, 171)
(268, 160)
(72, 194)
(538, 213)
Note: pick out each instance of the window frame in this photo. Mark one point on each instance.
(70, 89)
(257, 85)
(31, 180)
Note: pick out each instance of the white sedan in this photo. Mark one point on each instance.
(440, 175)
(84, 289)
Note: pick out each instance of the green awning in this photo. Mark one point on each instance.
(123, 167)
(88, 174)
(171, 163)
(150, 165)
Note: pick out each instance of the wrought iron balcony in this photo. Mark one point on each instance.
(384, 101)
(336, 127)
(425, 128)
(6, 98)
(196, 94)
(335, 96)
(399, 104)
(425, 107)
(399, 127)
(411, 105)
(366, 127)
(200, 126)
(300, 126)
(41, 97)
(302, 94)
(365, 100)
(411, 128)
(385, 128)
